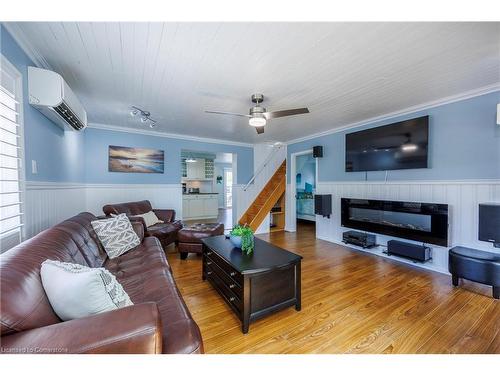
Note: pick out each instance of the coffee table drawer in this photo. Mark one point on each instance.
(230, 271)
(223, 289)
(228, 281)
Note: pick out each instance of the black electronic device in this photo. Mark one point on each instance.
(323, 205)
(318, 151)
(418, 221)
(365, 240)
(408, 250)
(402, 145)
(489, 223)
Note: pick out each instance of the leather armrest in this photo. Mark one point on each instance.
(138, 228)
(132, 329)
(166, 216)
(139, 219)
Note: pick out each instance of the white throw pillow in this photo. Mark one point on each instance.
(150, 218)
(116, 235)
(75, 291)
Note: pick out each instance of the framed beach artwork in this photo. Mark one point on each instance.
(135, 160)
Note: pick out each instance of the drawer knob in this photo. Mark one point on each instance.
(209, 272)
(231, 286)
(209, 263)
(231, 299)
(233, 273)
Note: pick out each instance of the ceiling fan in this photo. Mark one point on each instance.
(258, 115)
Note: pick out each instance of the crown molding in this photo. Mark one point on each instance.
(406, 111)
(154, 133)
(36, 57)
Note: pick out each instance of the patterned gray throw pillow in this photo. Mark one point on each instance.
(75, 291)
(116, 235)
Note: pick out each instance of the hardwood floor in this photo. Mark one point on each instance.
(352, 302)
(225, 217)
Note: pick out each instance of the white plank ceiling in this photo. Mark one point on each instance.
(344, 72)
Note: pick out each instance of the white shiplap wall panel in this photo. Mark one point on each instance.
(463, 198)
(49, 203)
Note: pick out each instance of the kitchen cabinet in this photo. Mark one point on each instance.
(201, 169)
(200, 206)
(196, 170)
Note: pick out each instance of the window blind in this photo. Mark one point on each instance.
(11, 196)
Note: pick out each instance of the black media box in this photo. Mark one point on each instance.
(419, 253)
(364, 240)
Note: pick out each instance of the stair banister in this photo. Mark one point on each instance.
(263, 165)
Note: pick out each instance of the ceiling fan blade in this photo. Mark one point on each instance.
(285, 112)
(228, 113)
(260, 129)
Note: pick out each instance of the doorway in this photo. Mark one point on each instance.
(303, 180)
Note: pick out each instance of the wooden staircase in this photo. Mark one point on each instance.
(272, 193)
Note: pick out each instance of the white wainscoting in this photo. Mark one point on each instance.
(160, 196)
(462, 197)
(48, 203)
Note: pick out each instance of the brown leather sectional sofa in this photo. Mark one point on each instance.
(166, 232)
(159, 321)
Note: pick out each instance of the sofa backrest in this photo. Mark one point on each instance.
(129, 208)
(23, 302)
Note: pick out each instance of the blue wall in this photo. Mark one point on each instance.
(464, 144)
(58, 153)
(83, 156)
(96, 157)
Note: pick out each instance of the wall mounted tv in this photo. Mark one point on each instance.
(402, 145)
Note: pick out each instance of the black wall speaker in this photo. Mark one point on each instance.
(489, 223)
(318, 151)
(323, 205)
(408, 250)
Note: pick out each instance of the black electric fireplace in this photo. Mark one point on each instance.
(426, 222)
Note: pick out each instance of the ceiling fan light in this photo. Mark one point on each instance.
(257, 121)
(134, 112)
(144, 119)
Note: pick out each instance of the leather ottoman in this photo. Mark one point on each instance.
(475, 265)
(189, 238)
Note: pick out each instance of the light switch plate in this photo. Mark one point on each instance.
(34, 168)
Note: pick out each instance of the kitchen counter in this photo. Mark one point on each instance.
(200, 206)
(199, 193)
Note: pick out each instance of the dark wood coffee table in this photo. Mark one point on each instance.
(253, 285)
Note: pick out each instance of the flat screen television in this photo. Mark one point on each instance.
(402, 145)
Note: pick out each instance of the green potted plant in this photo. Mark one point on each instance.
(241, 237)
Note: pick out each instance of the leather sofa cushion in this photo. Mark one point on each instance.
(164, 229)
(145, 275)
(80, 229)
(23, 299)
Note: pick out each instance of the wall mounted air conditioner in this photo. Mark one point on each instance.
(50, 94)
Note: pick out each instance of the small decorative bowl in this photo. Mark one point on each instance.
(235, 240)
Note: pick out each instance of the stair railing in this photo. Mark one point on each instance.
(259, 170)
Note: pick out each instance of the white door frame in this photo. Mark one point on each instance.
(225, 185)
(292, 225)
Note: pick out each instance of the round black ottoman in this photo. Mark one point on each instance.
(475, 265)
